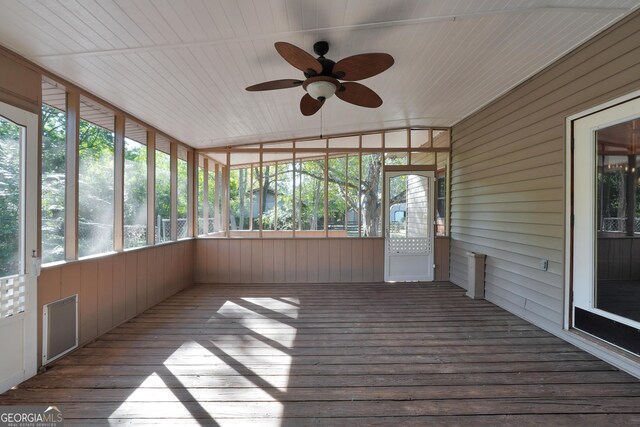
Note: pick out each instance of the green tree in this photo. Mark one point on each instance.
(10, 178)
(163, 195)
(53, 183)
(135, 193)
(95, 190)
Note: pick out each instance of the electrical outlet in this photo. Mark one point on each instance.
(544, 264)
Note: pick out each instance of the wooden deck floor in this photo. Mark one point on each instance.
(332, 355)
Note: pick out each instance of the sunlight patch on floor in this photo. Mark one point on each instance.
(256, 355)
(154, 393)
(272, 304)
(272, 329)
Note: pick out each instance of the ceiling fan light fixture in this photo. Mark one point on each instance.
(321, 87)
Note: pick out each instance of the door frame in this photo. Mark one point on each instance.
(29, 246)
(597, 345)
(400, 170)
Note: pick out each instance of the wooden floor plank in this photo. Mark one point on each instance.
(327, 355)
(529, 420)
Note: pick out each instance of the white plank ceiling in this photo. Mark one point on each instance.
(183, 65)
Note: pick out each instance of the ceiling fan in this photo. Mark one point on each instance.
(322, 76)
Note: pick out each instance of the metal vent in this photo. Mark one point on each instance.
(59, 328)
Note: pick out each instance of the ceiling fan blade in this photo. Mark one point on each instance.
(309, 106)
(297, 57)
(363, 66)
(275, 84)
(358, 94)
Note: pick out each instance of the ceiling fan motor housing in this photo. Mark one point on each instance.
(321, 48)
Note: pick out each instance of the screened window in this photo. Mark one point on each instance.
(353, 195)
(11, 136)
(268, 196)
(163, 191)
(285, 195)
(54, 121)
(135, 185)
(241, 191)
(214, 200)
(210, 200)
(337, 174)
(278, 193)
(244, 194)
(310, 193)
(202, 226)
(182, 221)
(323, 187)
(371, 195)
(96, 175)
(441, 195)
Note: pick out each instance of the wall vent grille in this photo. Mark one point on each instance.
(59, 328)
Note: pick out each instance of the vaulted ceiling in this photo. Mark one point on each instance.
(183, 65)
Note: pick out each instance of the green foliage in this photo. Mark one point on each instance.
(10, 145)
(182, 188)
(135, 194)
(310, 193)
(53, 183)
(95, 190)
(163, 192)
(346, 196)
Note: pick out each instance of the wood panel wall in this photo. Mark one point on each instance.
(441, 258)
(508, 181)
(303, 260)
(115, 288)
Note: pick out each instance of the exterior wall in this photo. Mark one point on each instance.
(508, 179)
(115, 288)
(303, 260)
